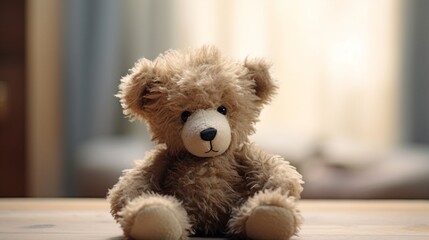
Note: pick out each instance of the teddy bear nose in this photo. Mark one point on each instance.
(208, 134)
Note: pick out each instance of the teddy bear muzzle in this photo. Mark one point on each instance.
(206, 133)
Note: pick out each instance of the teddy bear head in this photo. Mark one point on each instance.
(197, 101)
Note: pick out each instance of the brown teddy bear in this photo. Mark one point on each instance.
(204, 178)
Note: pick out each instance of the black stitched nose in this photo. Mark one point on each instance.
(208, 134)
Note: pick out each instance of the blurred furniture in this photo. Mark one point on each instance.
(76, 218)
(100, 162)
(334, 171)
(396, 174)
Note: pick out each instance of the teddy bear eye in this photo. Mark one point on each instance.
(185, 115)
(222, 109)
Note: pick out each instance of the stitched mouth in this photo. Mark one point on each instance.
(211, 148)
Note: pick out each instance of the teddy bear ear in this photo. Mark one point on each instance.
(258, 70)
(139, 90)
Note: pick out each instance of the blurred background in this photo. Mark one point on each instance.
(352, 112)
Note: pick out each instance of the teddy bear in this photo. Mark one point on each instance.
(204, 177)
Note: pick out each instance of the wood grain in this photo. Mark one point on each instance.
(324, 219)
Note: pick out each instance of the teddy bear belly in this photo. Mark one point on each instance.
(207, 198)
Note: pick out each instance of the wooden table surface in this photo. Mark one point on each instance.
(334, 219)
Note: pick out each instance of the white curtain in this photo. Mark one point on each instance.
(337, 63)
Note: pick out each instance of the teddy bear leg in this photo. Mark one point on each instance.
(270, 222)
(155, 217)
(266, 215)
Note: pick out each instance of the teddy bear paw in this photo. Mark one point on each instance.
(156, 222)
(270, 222)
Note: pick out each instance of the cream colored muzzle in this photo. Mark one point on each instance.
(206, 133)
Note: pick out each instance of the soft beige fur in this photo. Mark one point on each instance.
(240, 191)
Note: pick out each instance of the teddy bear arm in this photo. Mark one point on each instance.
(129, 186)
(145, 177)
(280, 174)
(268, 171)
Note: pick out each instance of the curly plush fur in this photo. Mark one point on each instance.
(240, 192)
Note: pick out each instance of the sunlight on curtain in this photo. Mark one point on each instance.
(337, 64)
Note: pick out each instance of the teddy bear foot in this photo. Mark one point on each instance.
(156, 222)
(270, 222)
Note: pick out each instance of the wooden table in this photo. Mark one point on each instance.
(334, 219)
